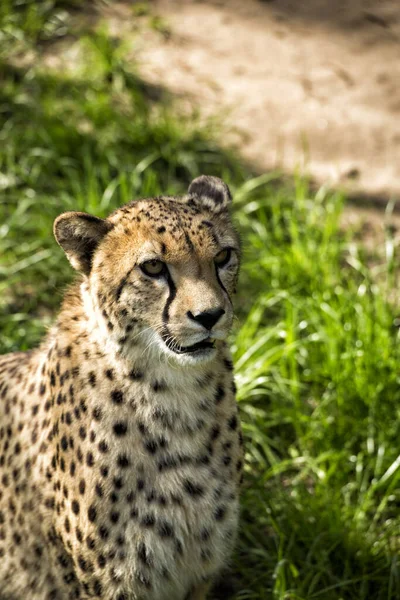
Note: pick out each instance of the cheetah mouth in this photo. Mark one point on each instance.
(202, 346)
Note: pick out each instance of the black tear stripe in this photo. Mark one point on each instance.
(122, 284)
(170, 299)
(222, 285)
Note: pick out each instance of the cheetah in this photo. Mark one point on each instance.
(120, 441)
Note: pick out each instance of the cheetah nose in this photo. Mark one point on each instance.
(207, 318)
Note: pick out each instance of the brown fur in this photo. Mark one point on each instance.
(120, 458)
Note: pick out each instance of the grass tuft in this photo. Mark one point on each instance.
(316, 360)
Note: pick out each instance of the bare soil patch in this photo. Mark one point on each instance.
(302, 86)
(309, 85)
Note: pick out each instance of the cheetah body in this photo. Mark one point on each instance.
(120, 464)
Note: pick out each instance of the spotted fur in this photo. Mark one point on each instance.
(120, 442)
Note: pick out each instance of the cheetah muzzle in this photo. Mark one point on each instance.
(120, 441)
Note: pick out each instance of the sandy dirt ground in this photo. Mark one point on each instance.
(311, 84)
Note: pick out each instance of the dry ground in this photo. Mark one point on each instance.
(307, 82)
(309, 85)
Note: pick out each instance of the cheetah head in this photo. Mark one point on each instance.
(159, 274)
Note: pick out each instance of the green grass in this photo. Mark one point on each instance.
(316, 344)
(317, 368)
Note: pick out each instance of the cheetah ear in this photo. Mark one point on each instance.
(211, 192)
(79, 234)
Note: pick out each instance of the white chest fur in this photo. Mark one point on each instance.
(157, 483)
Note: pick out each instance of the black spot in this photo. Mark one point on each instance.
(228, 364)
(82, 563)
(151, 446)
(92, 513)
(97, 414)
(233, 422)
(79, 535)
(117, 397)
(159, 386)
(123, 461)
(219, 394)
(130, 497)
(161, 229)
(142, 428)
(62, 559)
(165, 529)
(91, 544)
(142, 554)
(151, 496)
(216, 430)
(135, 375)
(75, 507)
(205, 554)
(193, 489)
(118, 483)
(204, 534)
(148, 520)
(120, 428)
(179, 547)
(101, 561)
(17, 538)
(103, 532)
(64, 443)
(103, 447)
(220, 513)
(114, 517)
(97, 588)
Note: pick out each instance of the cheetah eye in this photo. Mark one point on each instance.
(153, 268)
(223, 257)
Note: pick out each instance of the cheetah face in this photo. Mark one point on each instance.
(160, 272)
